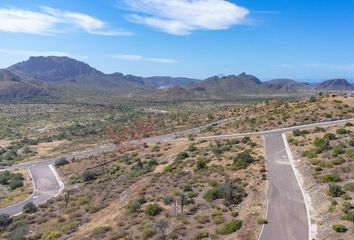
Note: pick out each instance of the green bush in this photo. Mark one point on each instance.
(5, 221)
(212, 194)
(339, 228)
(230, 227)
(309, 154)
(330, 178)
(61, 162)
(201, 165)
(51, 234)
(330, 136)
(152, 209)
(201, 235)
(338, 150)
(341, 131)
(321, 144)
(349, 187)
(182, 156)
(89, 175)
(168, 200)
(15, 183)
(335, 190)
(18, 233)
(243, 160)
(29, 208)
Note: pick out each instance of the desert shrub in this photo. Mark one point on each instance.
(182, 156)
(242, 160)
(61, 162)
(5, 221)
(335, 190)
(298, 132)
(350, 153)
(15, 183)
(192, 147)
(152, 209)
(338, 150)
(5, 177)
(347, 206)
(51, 234)
(99, 232)
(168, 200)
(261, 221)
(83, 200)
(230, 227)
(309, 154)
(212, 194)
(232, 193)
(201, 165)
(330, 178)
(349, 187)
(18, 233)
(321, 144)
(351, 142)
(89, 175)
(29, 208)
(148, 231)
(339, 228)
(202, 219)
(341, 131)
(330, 136)
(135, 205)
(201, 235)
(349, 217)
(169, 168)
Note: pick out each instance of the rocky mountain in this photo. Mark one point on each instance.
(13, 89)
(68, 79)
(286, 85)
(335, 85)
(228, 85)
(165, 81)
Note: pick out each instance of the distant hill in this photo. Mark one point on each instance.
(67, 79)
(286, 85)
(335, 85)
(229, 85)
(165, 81)
(13, 89)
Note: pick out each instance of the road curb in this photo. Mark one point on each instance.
(312, 231)
(60, 182)
(267, 192)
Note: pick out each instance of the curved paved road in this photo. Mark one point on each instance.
(286, 211)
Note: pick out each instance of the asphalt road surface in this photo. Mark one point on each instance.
(287, 217)
(46, 186)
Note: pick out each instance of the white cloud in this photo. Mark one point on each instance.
(182, 17)
(132, 57)
(50, 20)
(26, 53)
(342, 67)
(284, 65)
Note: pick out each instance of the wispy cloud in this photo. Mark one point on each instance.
(182, 17)
(342, 67)
(284, 65)
(29, 53)
(133, 57)
(49, 20)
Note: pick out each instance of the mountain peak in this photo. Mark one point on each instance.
(335, 84)
(52, 68)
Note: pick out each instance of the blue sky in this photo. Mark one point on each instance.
(302, 39)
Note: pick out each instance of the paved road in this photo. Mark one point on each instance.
(287, 216)
(45, 191)
(46, 186)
